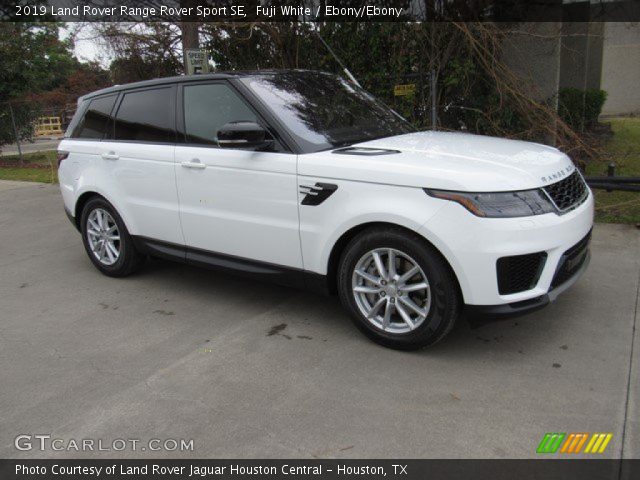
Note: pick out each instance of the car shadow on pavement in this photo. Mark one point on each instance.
(517, 335)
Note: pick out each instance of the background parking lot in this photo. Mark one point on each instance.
(254, 370)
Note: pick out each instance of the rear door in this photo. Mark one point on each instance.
(82, 141)
(233, 202)
(139, 155)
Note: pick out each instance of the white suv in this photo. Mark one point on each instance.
(303, 178)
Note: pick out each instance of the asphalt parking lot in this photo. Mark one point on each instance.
(253, 370)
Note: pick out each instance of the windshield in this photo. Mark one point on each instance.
(323, 111)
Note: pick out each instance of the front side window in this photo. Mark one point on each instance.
(145, 116)
(95, 121)
(207, 107)
(324, 111)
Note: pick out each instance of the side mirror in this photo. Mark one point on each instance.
(243, 135)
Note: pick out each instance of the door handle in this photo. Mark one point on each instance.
(195, 163)
(110, 156)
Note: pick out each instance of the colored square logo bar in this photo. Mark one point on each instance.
(574, 443)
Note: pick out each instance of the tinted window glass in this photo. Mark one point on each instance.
(96, 118)
(324, 111)
(72, 129)
(209, 107)
(145, 116)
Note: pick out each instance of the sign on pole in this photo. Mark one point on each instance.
(197, 61)
(404, 90)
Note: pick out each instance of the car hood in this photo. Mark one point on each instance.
(444, 160)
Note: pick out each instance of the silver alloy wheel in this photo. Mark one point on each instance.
(103, 236)
(391, 290)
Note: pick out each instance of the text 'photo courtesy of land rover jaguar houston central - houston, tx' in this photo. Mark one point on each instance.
(305, 179)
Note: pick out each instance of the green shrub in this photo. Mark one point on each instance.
(580, 108)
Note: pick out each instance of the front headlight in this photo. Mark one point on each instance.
(501, 204)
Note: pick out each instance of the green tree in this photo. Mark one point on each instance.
(32, 59)
(142, 51)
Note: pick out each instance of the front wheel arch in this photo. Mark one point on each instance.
(422, 264)
(345, 238)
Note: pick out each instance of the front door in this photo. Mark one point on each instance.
(234, 202)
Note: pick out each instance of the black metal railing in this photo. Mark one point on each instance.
(611, 182)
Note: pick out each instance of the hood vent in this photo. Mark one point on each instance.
(365, 151)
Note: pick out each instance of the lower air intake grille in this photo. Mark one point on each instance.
(520, 272)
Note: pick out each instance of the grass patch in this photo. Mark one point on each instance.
(44, 175)
(623, 149)
(38, 167)
(36, 158)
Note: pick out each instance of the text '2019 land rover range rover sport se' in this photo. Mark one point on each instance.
(303, 178)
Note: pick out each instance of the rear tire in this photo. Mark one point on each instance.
(413, 303)
(107, 240)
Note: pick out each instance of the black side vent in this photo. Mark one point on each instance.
(519, 273)
(316, 194)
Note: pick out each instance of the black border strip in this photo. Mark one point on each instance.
(322, 11)
(551, 469)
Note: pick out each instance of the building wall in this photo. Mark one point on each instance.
(621, 68)
(532, 52)
(596, 48)
(581, 55)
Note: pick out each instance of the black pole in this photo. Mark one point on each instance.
(611, 172)
(15, 133)
(434, 96)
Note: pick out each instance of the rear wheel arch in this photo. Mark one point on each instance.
(80, 203)
(342, 242)
(85, 197)
(120, 257)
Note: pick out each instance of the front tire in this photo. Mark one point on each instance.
(107, 240)
(398, 289)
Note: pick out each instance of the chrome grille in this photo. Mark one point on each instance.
(568, 193)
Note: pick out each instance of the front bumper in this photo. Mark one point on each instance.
(527, 306)
(473, 245)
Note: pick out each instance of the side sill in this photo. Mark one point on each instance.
(164, 250)
(261, 271)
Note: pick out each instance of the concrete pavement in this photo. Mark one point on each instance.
(253, 370)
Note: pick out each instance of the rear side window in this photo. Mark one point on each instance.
(145, 116)
(209, 107)
(95, 121)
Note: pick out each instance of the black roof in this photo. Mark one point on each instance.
(189, 78)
